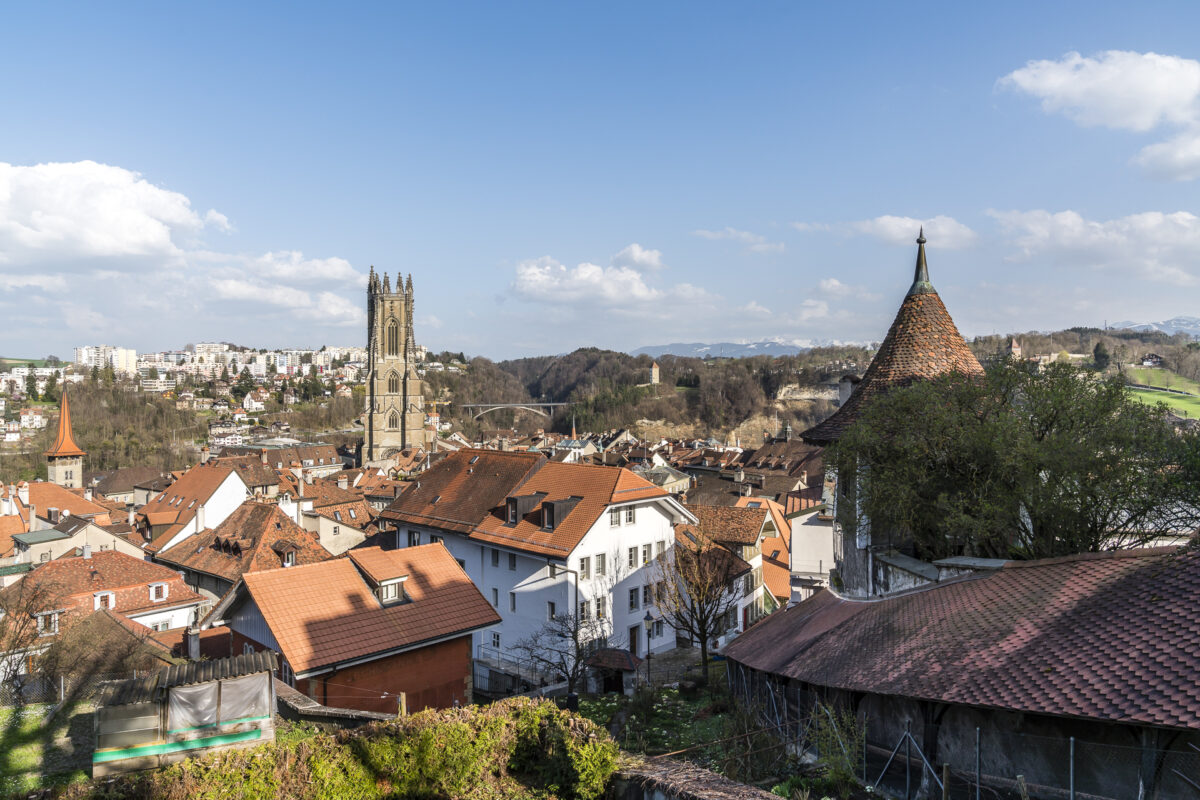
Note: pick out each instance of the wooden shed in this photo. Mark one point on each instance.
(183, 710)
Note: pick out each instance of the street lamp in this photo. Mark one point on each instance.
(649, 621)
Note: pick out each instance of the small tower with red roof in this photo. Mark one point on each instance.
(65, 458)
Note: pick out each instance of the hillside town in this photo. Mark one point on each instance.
(422, 569)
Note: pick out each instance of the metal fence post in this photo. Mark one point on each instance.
(907, 761)
(978, 765)
(1072, 769)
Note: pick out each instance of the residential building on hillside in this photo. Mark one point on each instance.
(202, 497)
(542, 538)
(149, 594)
(742, 532)
(357, 632)
(256, 536)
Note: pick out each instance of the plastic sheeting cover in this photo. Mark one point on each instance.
(247, 697)
(192, 706)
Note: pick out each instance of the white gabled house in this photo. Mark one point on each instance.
(541, 538)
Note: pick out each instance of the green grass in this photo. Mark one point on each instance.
(1163, 378)
(1180, 404)
(664, 724)
(22, 362)
(34, 754)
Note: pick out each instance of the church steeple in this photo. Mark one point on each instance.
(64, 459)
(921, 284)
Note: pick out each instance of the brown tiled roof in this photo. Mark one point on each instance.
(47, 495)
(177, 504)
(922, 343)
(322, 614)
(728, 524)
(71, 582)
(614, 658)
(245, 542)
(1109, 636)
(125, 479)
(596, 488)
(776, 550)
(467, 493)
(340, 513)
(802, 499)
(794, 458)
(64, 440)
(253, 472)
(457, 494)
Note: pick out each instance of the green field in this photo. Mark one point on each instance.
(1162, 377)
(1180, 404)
(8, 363)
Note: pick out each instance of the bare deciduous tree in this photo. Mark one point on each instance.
(699, 589)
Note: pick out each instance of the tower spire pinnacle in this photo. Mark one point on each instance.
(64, 442)
(921, 284)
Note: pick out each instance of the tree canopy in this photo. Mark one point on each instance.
(1019, 464)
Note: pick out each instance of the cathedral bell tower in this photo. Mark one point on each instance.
(395, 402)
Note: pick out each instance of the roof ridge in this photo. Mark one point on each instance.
(1107, 555)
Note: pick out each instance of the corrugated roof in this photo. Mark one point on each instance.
(153, 687)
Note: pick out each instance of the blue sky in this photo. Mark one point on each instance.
(557, 175)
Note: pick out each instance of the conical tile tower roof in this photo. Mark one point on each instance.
(64, 443)
(922, 343)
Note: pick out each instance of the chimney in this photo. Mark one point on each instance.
(308, 478)
(87, 551)
(199, 517)
(343, 482)
(739, 476)
(53, 512)
(32, 516)
(192, 638)
(23, 493)
(205, 454)
(298, 514)
(87, 494)
(130, 514)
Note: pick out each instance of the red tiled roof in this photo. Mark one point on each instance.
(922, 343)
(1111, 636)
(322, 614)
(71, 583)
(614, 658)
(252, 538)
(776, 550)
(45, 495)
(177, 504)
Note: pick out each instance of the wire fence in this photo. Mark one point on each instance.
(23, 690)
(983, 763)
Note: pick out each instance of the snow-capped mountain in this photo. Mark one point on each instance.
(766, 347)
(1188, 325)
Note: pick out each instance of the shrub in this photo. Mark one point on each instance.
(513, 748)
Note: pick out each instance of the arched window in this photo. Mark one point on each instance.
(393, 338)
(393, 383)
(393, 420)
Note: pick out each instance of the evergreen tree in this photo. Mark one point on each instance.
(31, 387)
(1100, 357)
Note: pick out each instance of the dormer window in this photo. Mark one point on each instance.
(512, 511)
(105, 600)
(289, 558)
(158, 592)
(392, 591)
(548, 516)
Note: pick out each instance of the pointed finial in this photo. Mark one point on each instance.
(921, 284)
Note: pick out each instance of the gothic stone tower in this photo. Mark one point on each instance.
(395, 405)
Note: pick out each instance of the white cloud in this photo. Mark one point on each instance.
(945, 233)
(87, 210)
(808, 227)
(808, 311)
(1127, 91)
(116, 240)
(637, 257)
(1153, 245)
(834, 287)
(753, 242)
(753, 308)
(547, 280)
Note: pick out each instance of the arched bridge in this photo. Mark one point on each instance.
(544, 409)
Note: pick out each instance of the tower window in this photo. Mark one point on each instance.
(393, 338)
(393, 420)
(393, 383)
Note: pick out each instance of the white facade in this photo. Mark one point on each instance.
(168, 618)
(525, 588)
(812, 551)
(224, 500)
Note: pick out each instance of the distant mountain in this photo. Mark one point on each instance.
(767, 347)
(1188, 325)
